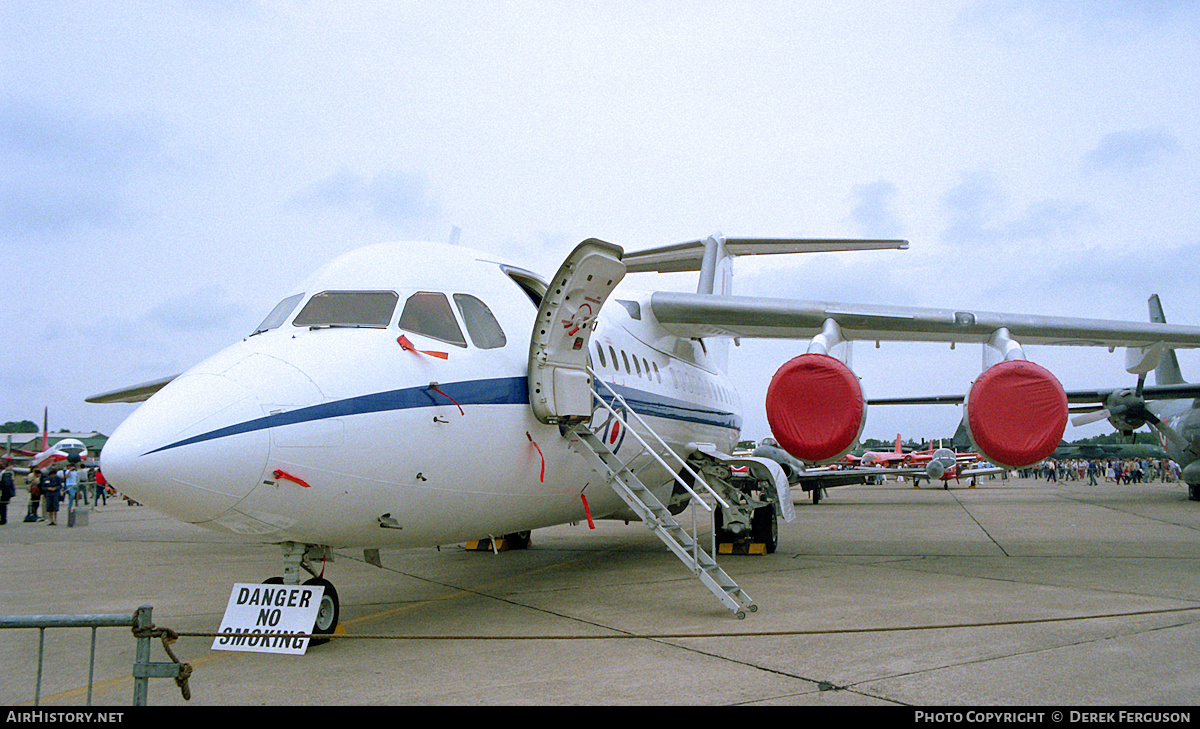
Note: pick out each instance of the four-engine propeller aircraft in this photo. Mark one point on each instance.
(510, 402)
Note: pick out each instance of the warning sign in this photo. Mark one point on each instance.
(267, 618)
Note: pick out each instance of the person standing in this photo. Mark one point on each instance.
(34, 479)
(71, 484)
(101, 489)
(7, 491)
(52, 488)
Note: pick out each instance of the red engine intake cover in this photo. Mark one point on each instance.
(815, 408)
(1016, 413)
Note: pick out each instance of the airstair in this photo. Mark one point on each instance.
(564, 390)
(625, 482)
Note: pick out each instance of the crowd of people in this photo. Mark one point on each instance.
(1111, 470)
(49, 488)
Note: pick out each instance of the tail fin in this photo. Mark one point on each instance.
(961, 439)
(46, 428)
(1167, 372)
(898, 448)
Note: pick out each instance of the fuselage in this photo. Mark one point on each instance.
(1184, 418)
(66, 451)
(385, 403)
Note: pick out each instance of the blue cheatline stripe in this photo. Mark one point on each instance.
(499, 391)
(649, 404)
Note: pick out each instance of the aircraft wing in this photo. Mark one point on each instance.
(1149, 392)
(702, 315)
(981, 471)
(135, 393)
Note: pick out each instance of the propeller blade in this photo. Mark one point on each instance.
(1092, 417)
(1169, 432)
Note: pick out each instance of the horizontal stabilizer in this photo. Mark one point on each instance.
(690, 255)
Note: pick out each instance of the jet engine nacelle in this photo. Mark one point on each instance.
(816, 409)
(1016, 413)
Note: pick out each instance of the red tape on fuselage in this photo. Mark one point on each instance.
(815, 408)
(1016, 413)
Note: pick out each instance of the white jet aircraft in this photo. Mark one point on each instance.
(66, 451)
(507, 402)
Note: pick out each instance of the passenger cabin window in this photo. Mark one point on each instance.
(348, 309)
(600, 351)
(482, 327)
(279, 314)
(429, 314)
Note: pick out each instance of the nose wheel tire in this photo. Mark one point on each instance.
(327, 613)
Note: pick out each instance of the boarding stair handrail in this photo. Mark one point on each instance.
(626, 483)
(661, 522)
(666, 448)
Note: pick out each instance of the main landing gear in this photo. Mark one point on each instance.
(300, 556)
(512, 540)
(761, 538)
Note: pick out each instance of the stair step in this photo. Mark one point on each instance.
(660, 520)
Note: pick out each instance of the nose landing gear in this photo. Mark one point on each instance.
(300, 556)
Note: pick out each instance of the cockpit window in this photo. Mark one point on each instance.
(484, 330)
(429, 314)
(279, 314)
(348, 309)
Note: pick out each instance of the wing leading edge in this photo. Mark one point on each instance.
(134, 393)
(700, 315)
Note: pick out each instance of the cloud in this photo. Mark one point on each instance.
(978, 213)
(206, 309)
(391, 196)
(873, 210)
(1109, 21)
(1130, 150)
(65, 171)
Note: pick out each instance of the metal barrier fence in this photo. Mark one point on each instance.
(143, 630)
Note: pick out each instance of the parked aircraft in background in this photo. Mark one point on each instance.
(946, 465)
(511, 402)
(63, 452)
(1106, 451)
(68, 451)
(881, 458)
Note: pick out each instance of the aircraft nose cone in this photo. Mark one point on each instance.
(191, 450)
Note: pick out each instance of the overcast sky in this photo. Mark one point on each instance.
(172, 169)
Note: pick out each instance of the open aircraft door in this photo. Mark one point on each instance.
(560, 387)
